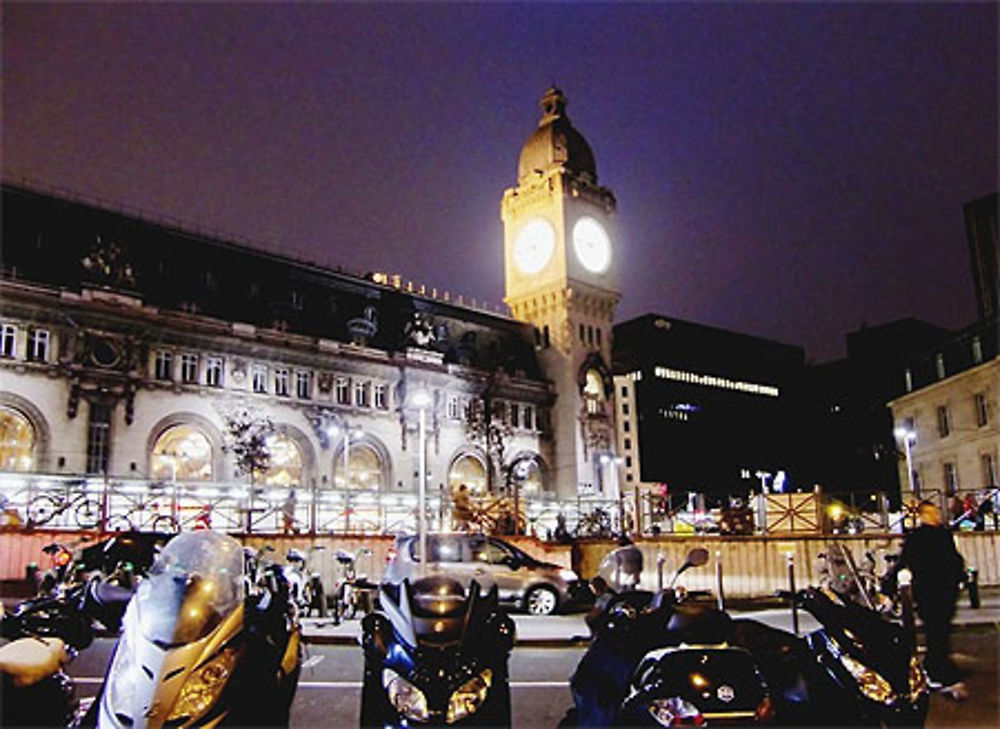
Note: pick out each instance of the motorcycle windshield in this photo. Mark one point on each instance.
(194, 584)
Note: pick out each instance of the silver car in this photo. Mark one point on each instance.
(522, 581)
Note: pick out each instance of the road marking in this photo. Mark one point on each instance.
(357, 684)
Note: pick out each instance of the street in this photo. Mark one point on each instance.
(329, 691)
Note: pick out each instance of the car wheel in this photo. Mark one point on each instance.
(541, 600)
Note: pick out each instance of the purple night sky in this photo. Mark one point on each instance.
(785, 170)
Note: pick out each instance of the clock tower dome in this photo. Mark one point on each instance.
(561, 260)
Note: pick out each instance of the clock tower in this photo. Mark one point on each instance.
(561, 261)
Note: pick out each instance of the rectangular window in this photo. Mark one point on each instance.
(624, 391)
(982, 409)
(628, 461)
(380, 394)
(598, 336)
(528, 417)
(515, 415)
(626, 426)
(343, 388)
(189, 368)
(943, 421)
(950, 478)
(98, 438)
(939, 365)
(163, 366)
(583, 334)
(361, 393)
(303, 385)
(625, 408)
(628, 444)
(259, 378)
(213, 371)
(281, 381)
(908, 379)
(8, 340)
(628, 476)
(989, 470)
(977, 350)
(38, 345)
(454, 409)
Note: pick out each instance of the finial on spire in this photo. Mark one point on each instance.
(553, 103)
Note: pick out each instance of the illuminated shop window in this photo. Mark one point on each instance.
(182, 453)
(17, 441)
(364, 468)
(286, 462)
(470, 471)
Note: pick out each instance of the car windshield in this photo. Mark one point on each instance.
(196, 582)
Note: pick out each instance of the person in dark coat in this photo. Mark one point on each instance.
(938, 569)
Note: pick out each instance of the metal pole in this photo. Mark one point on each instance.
(790, 558)
(422, 499)
(719, 596)
(659, 571)
(909, 465)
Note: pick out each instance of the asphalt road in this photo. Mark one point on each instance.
(329, 691)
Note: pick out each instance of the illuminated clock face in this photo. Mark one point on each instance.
(534, 245)
(592, 245)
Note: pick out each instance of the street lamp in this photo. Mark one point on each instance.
(909, 437)
(421, 400)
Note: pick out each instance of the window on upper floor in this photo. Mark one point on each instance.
(303, 385)
(989, 465)
(627, 444)
(258, 379)
(583, 334)
(213, 371)
(454, 408)
(380, 396)
(342, 388)
(282, 385)
(515, 415)
(163, 365)
(38, 345)
(598, 336)
(297, 300)
(189, 367)
(939, 365)
(943, 421)
(908, 379)
(528, 417)
(361, 393)
(977, 350)
(982, 409)
(626, 426)
(8, 340)
(625, 408)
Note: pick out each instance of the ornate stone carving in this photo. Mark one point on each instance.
(108, 263)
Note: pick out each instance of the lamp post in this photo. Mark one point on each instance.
(421, 400)
(909, 438)
(333, 430)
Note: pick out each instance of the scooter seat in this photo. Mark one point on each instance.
(28, 660)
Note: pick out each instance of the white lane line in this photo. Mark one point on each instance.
(357, 684)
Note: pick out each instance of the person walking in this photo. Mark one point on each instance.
(929, 552)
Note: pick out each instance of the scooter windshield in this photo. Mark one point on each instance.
(195, 583)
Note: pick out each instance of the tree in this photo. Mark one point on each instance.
(246, 438)
(486, 425)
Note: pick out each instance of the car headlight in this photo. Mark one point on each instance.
(407, 699)
(203, 686)
(675, 711)
(870, 682)
(568, 576)
(918, 678)
(469, 697)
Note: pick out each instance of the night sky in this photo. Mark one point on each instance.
(786, 170)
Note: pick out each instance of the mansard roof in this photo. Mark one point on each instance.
(70, 245)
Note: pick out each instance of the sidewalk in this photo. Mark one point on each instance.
(567, 630)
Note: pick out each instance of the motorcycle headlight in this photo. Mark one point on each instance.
(469, 697)
(918, 678)
(675, 711)
(407, 699)
(870, 682)
(203, 686)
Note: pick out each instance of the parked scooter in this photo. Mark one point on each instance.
(659, 660)
(197, 649)
(352, 591)
(306, 586)
(436, 655)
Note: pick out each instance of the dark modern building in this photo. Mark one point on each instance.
(981, 231)
(715, 411)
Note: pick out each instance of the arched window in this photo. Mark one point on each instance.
(468, 470)
(364, 468)
(286, 462)
(182, 453)
(17, 441)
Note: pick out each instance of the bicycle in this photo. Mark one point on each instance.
(138, 513)
(45, 507)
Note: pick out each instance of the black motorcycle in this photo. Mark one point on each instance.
(436, 655)
(662, 660)
(35, 690)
